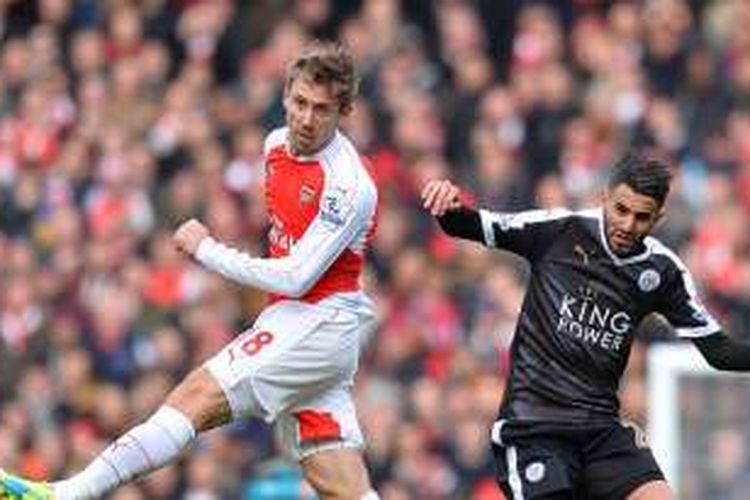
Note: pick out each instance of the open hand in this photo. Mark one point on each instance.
(439, 196)
(189, 235)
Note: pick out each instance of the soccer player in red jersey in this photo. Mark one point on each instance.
(295, 365)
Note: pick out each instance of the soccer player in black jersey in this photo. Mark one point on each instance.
(595, 275)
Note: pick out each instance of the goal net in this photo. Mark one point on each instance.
(699, 424)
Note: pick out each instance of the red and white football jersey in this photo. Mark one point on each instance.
(322, 210)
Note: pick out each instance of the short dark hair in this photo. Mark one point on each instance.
(329, 63)
(646, 173)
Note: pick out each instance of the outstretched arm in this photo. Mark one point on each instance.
(680, 304)
(526, 233)
(724, 353)
(293, 275)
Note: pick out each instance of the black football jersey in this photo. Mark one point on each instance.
(581, 310)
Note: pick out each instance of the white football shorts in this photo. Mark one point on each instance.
(296, 366)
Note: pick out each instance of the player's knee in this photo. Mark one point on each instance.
(201, 399)
(338, 480)
(188, 392)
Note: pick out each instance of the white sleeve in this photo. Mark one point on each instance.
(683, 308)
(335, 227)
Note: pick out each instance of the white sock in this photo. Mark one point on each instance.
(371, 495)
(142, 449)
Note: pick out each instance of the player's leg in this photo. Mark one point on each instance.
(195, 405)
(201, 398)
(620, 465)
(338, 474)
(213, 395)
(232, 384)
(323, 433)
(653, 490)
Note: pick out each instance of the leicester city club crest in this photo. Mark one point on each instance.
(649, 280)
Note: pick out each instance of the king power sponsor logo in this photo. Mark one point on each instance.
(592, 323)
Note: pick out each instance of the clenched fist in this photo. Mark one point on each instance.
(189, 235)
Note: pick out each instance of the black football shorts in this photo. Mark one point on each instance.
(553, 461)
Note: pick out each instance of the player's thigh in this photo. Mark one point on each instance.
(654, 490)
(319, 423)
(292, 350)
(536, 469)
(200, 397)
(337, 473)
(619, 463)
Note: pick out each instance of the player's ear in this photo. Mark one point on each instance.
(346, 108)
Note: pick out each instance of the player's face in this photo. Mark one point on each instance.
(629, 217)
(312, 114)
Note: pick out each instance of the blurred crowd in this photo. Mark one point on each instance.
(120, 119)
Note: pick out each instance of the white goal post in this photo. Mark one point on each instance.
(667, 363)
